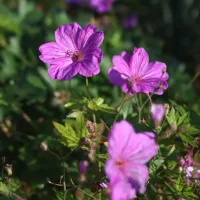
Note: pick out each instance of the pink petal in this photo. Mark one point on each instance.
(139, 176)
(155, 70)
(88, 69)
(94, 41)
(146, 148)
(84, 34)
(121, 65)
(122, 190)
(117, 146)
(65, 36)
(50, 52)
(115, 77)
(64, 72)
(139, 61)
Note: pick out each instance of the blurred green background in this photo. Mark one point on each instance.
(29, 100)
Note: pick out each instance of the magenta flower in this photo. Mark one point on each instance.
(135, 74)
(102, 6)
(76, 50)
(126, 168)
(157, 112)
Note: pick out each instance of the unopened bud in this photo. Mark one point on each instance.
(180, 169)
(157, 113)
(82, 178)
(166, 106)
(143, 121)
(83, 165)
(84, 141)
(44, 146)
(8, 169)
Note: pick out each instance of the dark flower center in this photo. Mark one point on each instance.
(120, 164)
(137, 79)
(75, 55)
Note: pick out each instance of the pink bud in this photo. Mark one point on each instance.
(83, 165)
(157, 112)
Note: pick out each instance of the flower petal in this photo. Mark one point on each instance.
(117, 146)
(94, 41)
(115, 77)
(156, 70)
(65, 36)
(50, 52)
(139, 61)
(146, 147)
(139, 177)
(88, 69)
(120, 63)
(122, 190)
(84, 34)
(64, 72)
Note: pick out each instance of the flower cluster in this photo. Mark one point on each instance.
(190, 168)
(76, 50)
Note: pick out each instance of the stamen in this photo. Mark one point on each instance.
(76, 55)
(137, 79)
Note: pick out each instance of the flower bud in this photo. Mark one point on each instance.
(8, 169)
(44, 146)
(157, 113)
(166, 106)
(83, 165)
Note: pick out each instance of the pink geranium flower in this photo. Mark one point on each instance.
(135, 74)
(76, 50)
(126, 168)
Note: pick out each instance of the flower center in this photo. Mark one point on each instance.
(120, 164)
(137, 79)
(75, 55)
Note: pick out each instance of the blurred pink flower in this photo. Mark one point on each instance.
(126, 168)
(131, 21)
(76, 50)
(157, 112)
(102, 6)
(135, 74)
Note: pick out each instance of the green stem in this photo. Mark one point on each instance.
(120, 108)
(194, 78)
(64, 179)
(54, 154)
(87, 86)
(72, 182)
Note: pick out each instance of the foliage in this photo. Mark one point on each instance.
(71, 119)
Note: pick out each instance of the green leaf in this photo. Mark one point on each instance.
(67, 135)
(4, 189)
(103, 156)
(79, 123)
(171, 117)
(188, 138)
(179, 184)
(2, 102)
(36, 82)
(182, 119)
